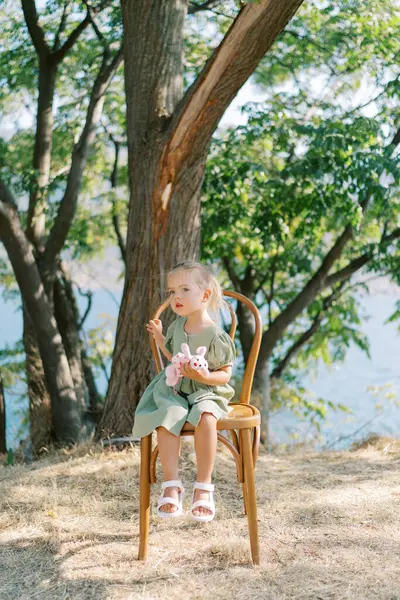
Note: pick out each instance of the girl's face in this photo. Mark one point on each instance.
(185, 294)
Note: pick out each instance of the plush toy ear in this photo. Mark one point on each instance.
(201, 351)
(186, 350)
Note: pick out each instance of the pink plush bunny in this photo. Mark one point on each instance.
(197, 361)
(173, 371)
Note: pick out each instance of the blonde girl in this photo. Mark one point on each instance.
(202, 397)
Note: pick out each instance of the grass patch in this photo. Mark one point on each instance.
(329, 529)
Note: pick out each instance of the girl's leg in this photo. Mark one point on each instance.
(168, 445)
(205, 445)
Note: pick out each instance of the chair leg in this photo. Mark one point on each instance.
(239, 442)
(244, 497)
(236, 442)
(249, 485)
(144, 510)
(256, 443)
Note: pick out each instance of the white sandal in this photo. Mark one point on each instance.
(209, 504)
(163, 500)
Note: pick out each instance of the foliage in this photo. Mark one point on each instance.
(12, 365)
(395, 316)
(278, 191)
(299, 400)
(100, 343)
(76, 77)
(337, 48)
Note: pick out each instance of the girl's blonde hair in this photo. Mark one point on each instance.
(205, 280)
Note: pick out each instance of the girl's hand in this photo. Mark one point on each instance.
(201, 376)
(155, 328)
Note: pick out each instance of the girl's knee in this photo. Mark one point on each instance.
(163, 431)
(207, 418)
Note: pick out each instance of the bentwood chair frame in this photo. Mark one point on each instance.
(243, 423)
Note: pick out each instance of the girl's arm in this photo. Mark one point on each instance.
(164, 350)
(155, 328)
(219, 377)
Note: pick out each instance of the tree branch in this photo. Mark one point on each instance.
(60, 54)
(236, 282)
(348, 270)
(361, 106)
(19, 249)
(271, 294)
(247, 283)
(250, 36)
(357, 263)
(49, 61)
(390, 237)
(396, 139)
(62, 25)
(35, 31)
(66, 211)
(303, 299)
(194, 7)
(89, 296)
(115, 215)
(307, 335)
(97, 31)
(308, 293)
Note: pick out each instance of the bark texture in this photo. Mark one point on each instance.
(261, 397)
(41, 431)
(67, 317)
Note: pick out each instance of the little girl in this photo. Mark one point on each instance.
(202, 397)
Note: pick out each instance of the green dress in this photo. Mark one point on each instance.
(159, 406)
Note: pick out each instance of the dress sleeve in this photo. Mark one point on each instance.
(222, 352)
(168, 342)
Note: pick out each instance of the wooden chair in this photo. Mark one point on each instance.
(243, 423)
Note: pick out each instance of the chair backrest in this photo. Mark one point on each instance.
(254, 350)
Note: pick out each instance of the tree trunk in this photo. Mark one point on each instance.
(246, 329)
(68, 321)
(261, 397)
(67, 317)
(132, 366)
(3, 441)
(66, 410)
(95, 399)
(42, 151)
(66, 417)
(39, 399)
(149, 246)
(168, 140)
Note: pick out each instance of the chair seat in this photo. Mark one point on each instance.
(242, 416)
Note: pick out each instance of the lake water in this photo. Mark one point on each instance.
(346, 383)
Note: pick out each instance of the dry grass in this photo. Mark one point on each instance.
(329, 529)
